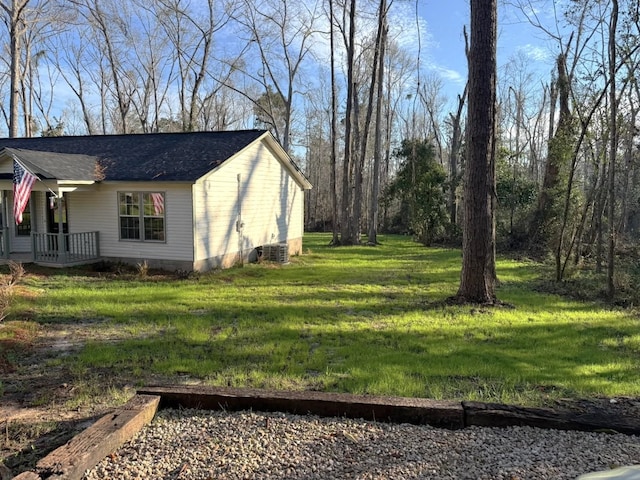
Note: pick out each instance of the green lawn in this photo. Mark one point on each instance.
(357, 319)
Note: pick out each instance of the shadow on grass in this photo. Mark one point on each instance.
(353, 319)
(381, 355)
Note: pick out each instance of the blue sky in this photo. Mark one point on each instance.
(442, 42)
(444, 54)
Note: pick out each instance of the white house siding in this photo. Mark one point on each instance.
(271, 203)
(96, 209)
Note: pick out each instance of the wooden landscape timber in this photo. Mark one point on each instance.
(499, 415)
(104, 437)
(418, 411)
(85, 450)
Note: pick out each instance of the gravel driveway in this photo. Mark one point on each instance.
(195, 444)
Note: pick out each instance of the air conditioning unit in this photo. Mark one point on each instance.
(276, 252)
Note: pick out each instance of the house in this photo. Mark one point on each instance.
(188, 201)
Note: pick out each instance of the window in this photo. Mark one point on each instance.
(24, 229)
(141, 216)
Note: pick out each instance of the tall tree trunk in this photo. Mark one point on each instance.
(599, 208)
(388, 121)
(358, 168)
(377, 153)
(628, 162)
(589, 203)
(16, 24)
(559, 145)
(334, 134)
(456, 145)
(478, 278)
(207, 40)
(370, 104)
(613, 147)
(346, 226)
(14, 99)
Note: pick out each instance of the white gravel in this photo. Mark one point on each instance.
(196, 444)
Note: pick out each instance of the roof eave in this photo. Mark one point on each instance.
(288, 162)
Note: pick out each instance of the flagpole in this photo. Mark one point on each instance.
(15, 159)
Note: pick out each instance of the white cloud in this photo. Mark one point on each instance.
(411, 33)
(535, 52)
(448, 74)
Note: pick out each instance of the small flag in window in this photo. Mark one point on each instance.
(23, 181)
(158, 203)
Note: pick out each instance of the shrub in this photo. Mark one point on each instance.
(143, 269)
(15, 276)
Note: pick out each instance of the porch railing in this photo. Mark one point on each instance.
(66, 248)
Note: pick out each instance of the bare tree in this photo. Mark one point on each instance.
(560, 146)
(433, 102)
(15, 20)
(377, 149)
(349, 233)
(26, 22)
(152, 67)
(280, 34)
(377, 74)
(454, 154)
(191, 30)
(107, 19)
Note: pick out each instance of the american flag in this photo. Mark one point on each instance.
(23, 181)
(158, 203)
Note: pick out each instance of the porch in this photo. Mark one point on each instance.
(55, 249)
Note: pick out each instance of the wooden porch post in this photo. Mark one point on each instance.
(33, 236)
(62, 248)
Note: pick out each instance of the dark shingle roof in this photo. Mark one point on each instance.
(141, 157)
(59, 166)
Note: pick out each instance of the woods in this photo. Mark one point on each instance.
(345, 88)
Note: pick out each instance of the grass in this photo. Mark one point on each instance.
(358, 319)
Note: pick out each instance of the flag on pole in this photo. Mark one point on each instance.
(158, 203)
(23, 181)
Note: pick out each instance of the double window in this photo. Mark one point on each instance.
(141, 216)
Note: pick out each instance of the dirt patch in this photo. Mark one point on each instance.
(43, 403)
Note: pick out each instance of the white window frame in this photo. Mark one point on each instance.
(147, 211)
